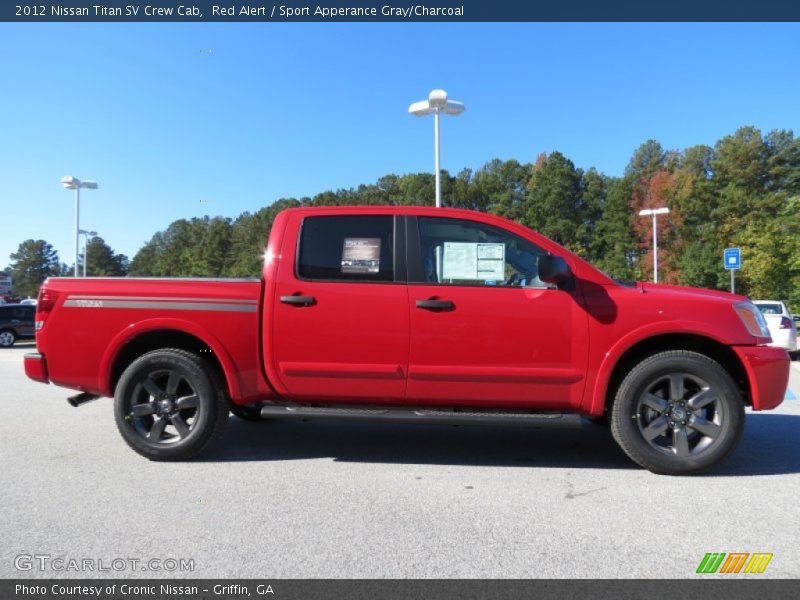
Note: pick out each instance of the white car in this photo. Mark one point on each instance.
(781, 324)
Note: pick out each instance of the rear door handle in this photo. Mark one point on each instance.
(436, 304)
(299, 300)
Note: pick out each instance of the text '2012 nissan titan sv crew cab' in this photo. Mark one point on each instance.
(412, 314)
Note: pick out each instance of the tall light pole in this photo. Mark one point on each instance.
(436, 104)
(654, 212)
(73, 183)
(86, 235)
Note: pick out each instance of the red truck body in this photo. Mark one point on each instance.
(502, 347)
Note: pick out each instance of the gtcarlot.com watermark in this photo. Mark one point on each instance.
(62, 564)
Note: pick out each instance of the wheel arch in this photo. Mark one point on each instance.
(156, 335)
(606, 388)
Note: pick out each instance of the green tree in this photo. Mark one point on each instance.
(555, 201)
(101, 261)
(32, 263)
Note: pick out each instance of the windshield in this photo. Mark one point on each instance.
(770, 308)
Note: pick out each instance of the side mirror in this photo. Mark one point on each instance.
(555, 270)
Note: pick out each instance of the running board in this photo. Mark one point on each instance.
(420, 415)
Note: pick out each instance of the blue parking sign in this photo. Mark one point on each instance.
(732, 258)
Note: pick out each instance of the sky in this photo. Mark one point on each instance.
(185, 120)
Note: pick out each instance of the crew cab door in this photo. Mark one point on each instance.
(484, 329)
(340, 323)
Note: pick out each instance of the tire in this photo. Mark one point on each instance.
(170, 405)
(7, 338)
(677, 413)
(247, 413)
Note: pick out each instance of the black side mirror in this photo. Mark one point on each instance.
(555, 270)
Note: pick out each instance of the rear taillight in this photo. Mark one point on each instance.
(786, 323)
(44, 305)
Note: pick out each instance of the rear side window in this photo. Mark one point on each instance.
(347, 248)
(23, 312)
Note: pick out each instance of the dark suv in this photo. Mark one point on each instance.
(16, 322)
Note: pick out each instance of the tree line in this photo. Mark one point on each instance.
(36, 260)
(743, 191)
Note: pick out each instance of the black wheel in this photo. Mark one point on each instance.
(7, 338)
(169, 405)
(247, 413)
(677, 413)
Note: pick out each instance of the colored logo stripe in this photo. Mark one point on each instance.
(711, 562)
(735, 561)
(758, 563)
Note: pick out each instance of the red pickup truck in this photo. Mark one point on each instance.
(412, 314)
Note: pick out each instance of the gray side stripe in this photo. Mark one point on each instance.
(165, 299)
(152, 304)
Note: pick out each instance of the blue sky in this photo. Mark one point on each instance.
(181, 120)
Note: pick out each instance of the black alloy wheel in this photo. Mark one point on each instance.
(169, 405)
(677, 412)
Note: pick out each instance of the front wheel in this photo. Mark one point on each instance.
(170, 405)
(677, 413)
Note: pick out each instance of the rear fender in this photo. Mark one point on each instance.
(105, 385)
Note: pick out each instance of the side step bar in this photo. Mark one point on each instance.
(420, 415)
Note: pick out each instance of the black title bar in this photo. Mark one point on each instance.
(431, 11)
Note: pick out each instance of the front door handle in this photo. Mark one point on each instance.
(436, 304)
(299, 300)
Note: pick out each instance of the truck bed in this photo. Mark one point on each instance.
(100, 319)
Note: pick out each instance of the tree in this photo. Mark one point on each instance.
(32, 263)
(555, 202)
(646, 160)
(615, 243)
(101, 260)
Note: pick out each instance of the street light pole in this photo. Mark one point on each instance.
(436, 104)
(77, 223)
(654, 212)
(436, 158)
(73, 183)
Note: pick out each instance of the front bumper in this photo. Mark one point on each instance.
(36, 367)
(767, 369)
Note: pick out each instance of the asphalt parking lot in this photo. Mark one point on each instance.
(325, 499)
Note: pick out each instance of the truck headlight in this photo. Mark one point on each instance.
(752, 319)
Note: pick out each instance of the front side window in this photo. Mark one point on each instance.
(347, 248)
(460, 252)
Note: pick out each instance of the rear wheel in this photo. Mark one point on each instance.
(169, 405)
(7, 338)
(677, 413)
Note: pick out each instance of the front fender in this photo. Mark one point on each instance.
(594, 403)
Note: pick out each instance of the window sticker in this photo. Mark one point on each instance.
(492, 262)
(474, 262)
(361, 255)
